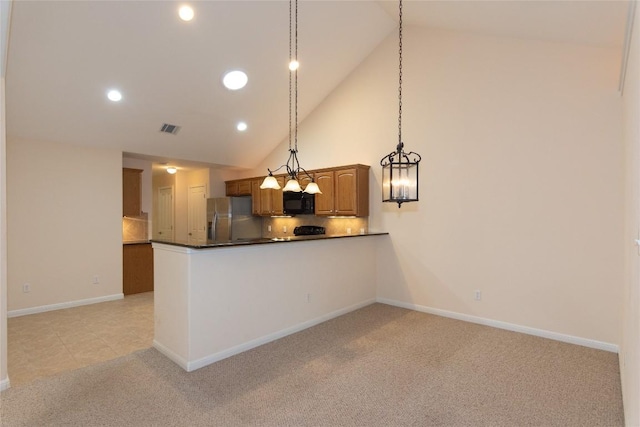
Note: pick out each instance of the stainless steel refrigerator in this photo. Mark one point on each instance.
(230, 219)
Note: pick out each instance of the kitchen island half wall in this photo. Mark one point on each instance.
(212, 303)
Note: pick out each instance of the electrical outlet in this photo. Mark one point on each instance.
(477, 295)
(96, 280)
(284, 228)
(269, 228)
(348, 230)
(26, 288)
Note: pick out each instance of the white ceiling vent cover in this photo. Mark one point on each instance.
(167, 128)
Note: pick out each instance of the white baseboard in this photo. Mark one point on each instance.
(178, 360)
(207, 360)
(4, 384)
(585, 342)
(62, 305)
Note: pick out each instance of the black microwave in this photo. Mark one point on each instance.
(298, 203)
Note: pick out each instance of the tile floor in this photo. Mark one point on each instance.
(45, 344)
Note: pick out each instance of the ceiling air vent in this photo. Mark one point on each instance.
(167, 128)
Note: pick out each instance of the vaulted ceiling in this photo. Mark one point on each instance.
(65, 55)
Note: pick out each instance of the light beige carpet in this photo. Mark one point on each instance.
(378, 366)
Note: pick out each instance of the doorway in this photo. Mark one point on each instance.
(197, 215)
(165, 226)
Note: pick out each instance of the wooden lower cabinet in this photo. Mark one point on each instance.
(137, 268)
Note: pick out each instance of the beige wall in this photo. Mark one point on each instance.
(4, 378)
(64, 215)
(521, 179)
(630, 348)
(5, 23)
(217, 177)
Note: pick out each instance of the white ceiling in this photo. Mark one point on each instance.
(579, 21)
(64, 55)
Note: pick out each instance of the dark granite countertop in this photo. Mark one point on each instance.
(264, 240)
(136, 242)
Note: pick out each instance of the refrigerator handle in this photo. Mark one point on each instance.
(214, 226)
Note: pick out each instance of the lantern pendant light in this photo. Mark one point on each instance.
(293, 168)
(400, 169)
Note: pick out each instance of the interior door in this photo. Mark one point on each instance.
(197, 215)
(165, 213)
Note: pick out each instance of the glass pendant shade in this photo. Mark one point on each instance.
(312, 188)
(270, 182)
(292, 185)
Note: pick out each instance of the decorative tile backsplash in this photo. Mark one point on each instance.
(135, 228)
(333, 226)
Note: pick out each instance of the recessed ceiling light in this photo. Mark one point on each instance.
(186, 13)
(235, 80)
(241, 126)
(172, 169)
(293, 65)
(114, 95)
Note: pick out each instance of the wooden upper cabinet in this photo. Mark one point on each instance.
(271, 202)
(256, 205)
(345, 191)
(231, 188)
(352, 191)
(304, 180)
(265, 202)
(238, 187)
(131, 192)
(277, 201)
(324, 202)
(244, 187)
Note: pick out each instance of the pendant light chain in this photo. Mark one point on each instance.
(296, 80)
(400, 168)
(290, 59)
(294, 171)
(400, 76)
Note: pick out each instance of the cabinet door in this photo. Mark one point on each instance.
(324, 201)
(137, 269)
(131, 192)
(231, 188)
(238, 188)
(271, 202)
(277, 203)
(305, 180)
(244, 188)
(346, 192)
(256, 206)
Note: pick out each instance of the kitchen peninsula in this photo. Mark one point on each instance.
(213, 301)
